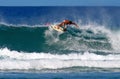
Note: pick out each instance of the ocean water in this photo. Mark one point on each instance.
(30, 49)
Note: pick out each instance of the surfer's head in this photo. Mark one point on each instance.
(67, 21)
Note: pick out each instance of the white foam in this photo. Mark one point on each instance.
(55, 64)
(115, 40)
(23, 25)
(21, 60)
(113, 36)
(72, 43)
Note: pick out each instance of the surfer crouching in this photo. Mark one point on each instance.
(66, 22)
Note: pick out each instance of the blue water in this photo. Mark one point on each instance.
(108, 16)
(80, 75)
(30, 49)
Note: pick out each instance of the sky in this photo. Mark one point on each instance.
(59, 2)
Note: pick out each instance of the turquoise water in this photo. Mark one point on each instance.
(38, 39)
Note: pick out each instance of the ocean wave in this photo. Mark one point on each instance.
(44, 39)
(13, 60)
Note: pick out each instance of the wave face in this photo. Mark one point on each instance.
(43, 39)
(31, 45)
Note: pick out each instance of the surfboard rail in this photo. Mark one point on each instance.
(60, 29)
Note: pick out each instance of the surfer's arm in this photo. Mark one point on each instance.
(62, 24)
(75, 24)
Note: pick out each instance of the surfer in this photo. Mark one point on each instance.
(66, 22)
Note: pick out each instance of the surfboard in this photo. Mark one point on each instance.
(60, 29)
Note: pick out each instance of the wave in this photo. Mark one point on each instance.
(11, 60)
(43, 39)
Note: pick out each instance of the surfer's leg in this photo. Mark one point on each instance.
(65, 29)
(57, 27)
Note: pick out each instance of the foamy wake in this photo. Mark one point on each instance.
(10, 60)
